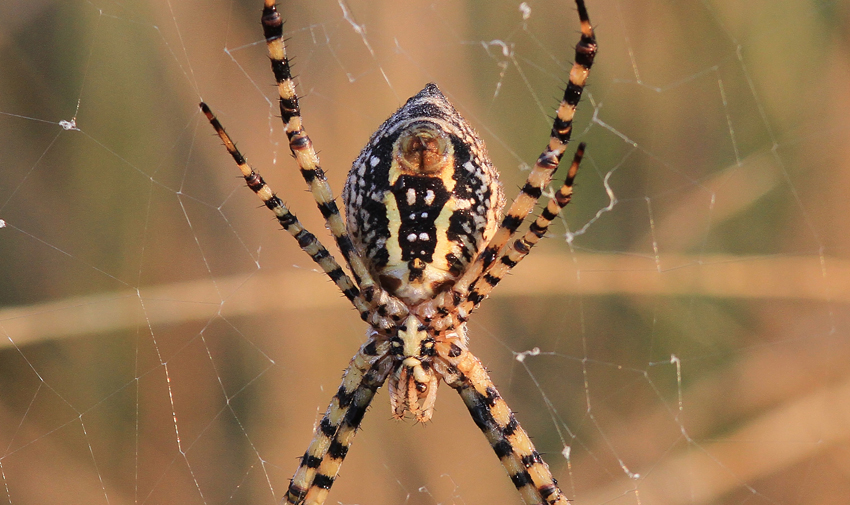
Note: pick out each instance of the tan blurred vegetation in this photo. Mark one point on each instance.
(693, 341)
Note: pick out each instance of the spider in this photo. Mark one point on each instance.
(425, 242)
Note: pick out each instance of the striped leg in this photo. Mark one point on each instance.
(526, 468)
(308, 242)
(548, 161)
(302, 148)
(520, 248)
(320, 464)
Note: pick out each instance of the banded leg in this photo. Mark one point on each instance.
(320, 464)
(520, 247)
(526, 468)
(308, 242)
(302, 147)
(546, 164)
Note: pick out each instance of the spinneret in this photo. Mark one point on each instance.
(425, 242)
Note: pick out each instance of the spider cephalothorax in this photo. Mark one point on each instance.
(425, 245)
(422, 198)
(413, 381)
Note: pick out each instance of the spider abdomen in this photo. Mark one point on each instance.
(422, 198)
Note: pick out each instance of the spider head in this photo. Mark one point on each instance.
(413, 383)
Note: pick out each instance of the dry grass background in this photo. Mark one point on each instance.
(140, 284)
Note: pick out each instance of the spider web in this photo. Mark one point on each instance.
(681, 338)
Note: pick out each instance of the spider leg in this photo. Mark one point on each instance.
(520, 247)
(303, 151)
(526, 468)
(321, 462)
(308, 242)
(547, 162)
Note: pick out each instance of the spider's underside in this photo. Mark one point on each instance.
(424, 244)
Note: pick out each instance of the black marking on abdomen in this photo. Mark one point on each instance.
(473, 185)
(419, 200)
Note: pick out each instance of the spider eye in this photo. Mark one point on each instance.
(421, 387)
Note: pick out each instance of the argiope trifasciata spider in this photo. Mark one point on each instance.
(421, 240)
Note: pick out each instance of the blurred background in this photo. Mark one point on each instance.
(681, 338)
